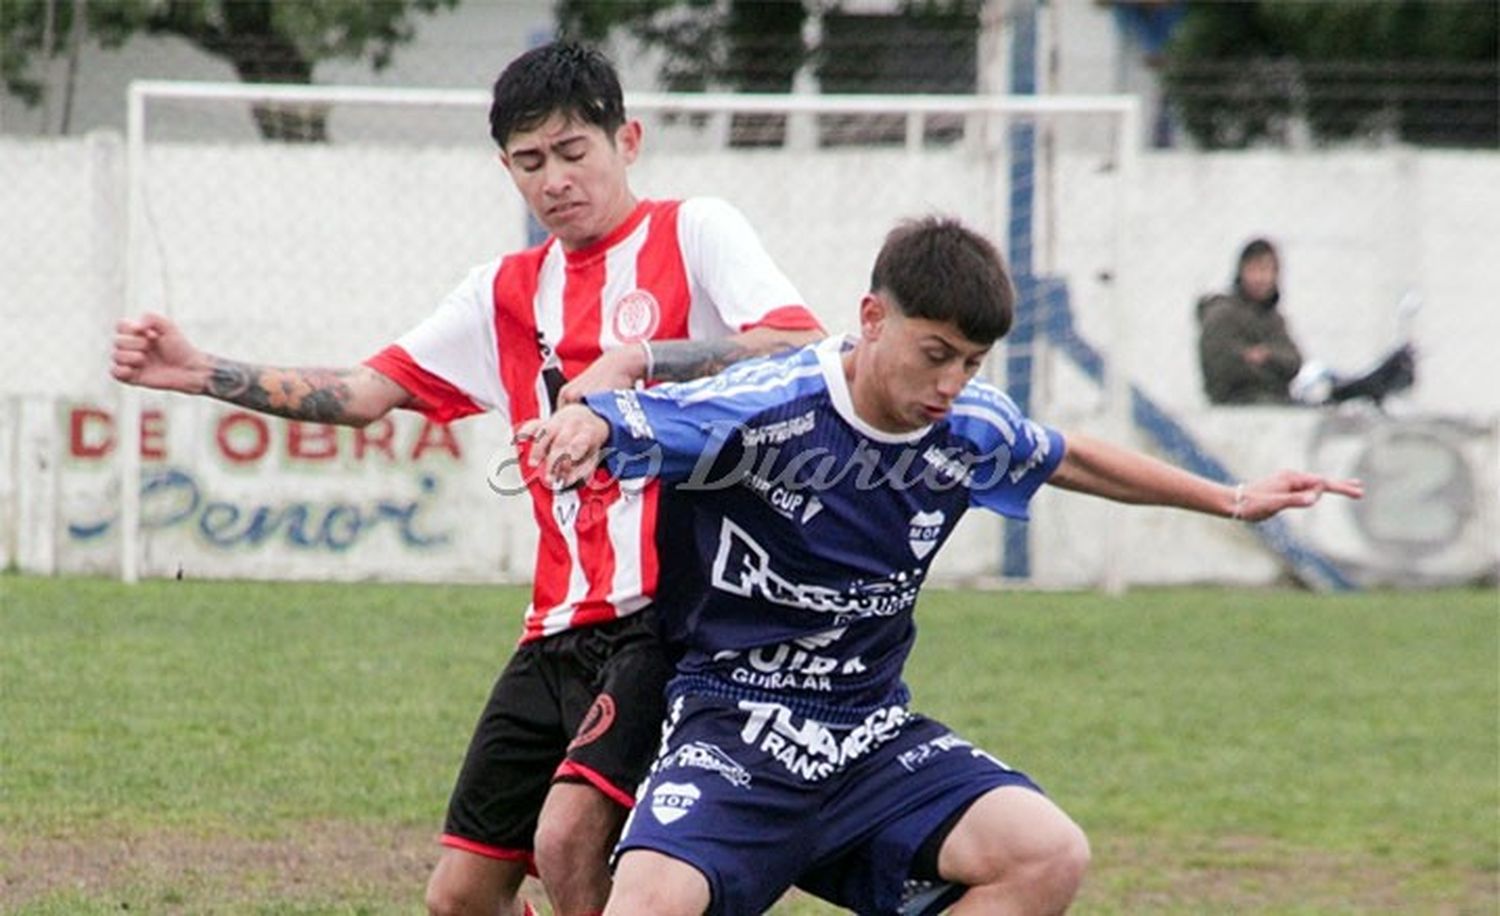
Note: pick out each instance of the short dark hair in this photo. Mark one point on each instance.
(562, 77)
(938, 269)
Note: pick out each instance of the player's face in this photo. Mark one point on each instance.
(572, 176)
(920, 366)
(1258, 277)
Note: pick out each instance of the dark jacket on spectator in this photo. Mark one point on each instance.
(1231, 324)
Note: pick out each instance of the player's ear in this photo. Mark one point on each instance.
(628, 140)
(872, 315)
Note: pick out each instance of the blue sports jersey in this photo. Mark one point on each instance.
(811, 531)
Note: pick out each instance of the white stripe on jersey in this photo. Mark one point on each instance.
(988, 415)
(712, 392)
(726, 261)
(624, 519)
(457, 342)
(547, 308)
(565, 503)
(619, 278)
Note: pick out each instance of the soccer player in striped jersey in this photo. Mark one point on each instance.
(817, 487)
(623, 291)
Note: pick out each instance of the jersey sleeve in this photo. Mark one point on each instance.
(449, 362)
(726, 259)
(1013, 455)
(670, 431)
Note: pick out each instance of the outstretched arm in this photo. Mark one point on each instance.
(154, 353)
(679, 360)
(1103, 469)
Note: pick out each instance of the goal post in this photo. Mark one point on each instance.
(302, 253)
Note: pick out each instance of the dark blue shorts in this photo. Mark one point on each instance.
(759, 799)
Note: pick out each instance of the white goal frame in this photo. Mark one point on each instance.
(1124, 110)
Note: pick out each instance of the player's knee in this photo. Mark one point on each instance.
(1054, 871)
(1049, 870)
(444, 899)
(573, 837)
(1068, 861)
(639, 899)
(458, 892)
(566, 854)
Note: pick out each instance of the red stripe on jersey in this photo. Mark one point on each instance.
(554, 565)
(583, 320)
(583, 314)
(437, 399)
(786, 318)
(659, 267)
(520, 365)
(650, 564)
(515, 331)
(583, 303)
(595, 548)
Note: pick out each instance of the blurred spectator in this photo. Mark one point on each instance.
(1249, 357)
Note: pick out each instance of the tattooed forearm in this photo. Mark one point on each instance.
(683, 360)
(318, 395)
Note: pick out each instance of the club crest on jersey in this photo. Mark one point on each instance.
(923, 532)
(671, 801)
(637, 316)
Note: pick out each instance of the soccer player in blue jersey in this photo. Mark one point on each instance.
(816, 488)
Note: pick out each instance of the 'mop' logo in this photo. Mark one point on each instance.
(923, 532)
(671, 801)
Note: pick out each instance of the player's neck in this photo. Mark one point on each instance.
(619, 215)
(865, 397)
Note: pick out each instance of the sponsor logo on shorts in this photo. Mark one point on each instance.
(710, 757)
(596, 721)
(922, 753)
(671, 801)
(925, 753)
(811, 750)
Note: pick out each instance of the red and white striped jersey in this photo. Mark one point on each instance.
(514, 328)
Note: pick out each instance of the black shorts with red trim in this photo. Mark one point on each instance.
(582, 706)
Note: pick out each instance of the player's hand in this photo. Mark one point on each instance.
(618, 368)
(1292, 490)
(567, 447)
(152, 352)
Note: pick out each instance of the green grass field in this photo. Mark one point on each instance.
(271, 748)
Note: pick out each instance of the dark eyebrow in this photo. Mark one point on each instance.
(948, 347)
(562, 145)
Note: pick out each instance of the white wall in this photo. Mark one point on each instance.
(321, 255)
